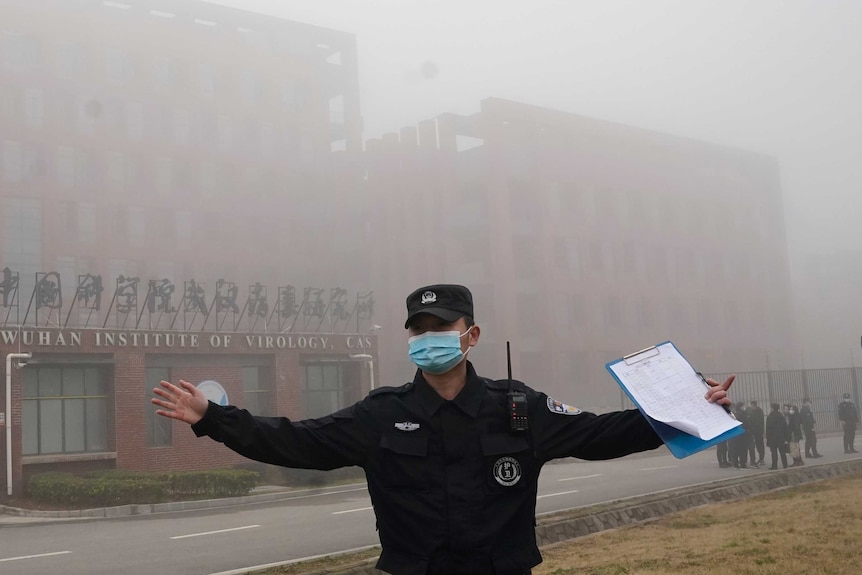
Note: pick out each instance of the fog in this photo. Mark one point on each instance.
(731, 114)
(779, 77)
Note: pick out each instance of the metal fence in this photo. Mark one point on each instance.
(824, 387)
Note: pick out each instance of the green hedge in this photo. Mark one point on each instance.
(118, 487)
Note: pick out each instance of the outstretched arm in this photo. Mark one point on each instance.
(184, 402)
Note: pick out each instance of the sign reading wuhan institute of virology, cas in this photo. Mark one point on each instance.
(182, 340)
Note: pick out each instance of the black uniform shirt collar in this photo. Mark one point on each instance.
(468, 400)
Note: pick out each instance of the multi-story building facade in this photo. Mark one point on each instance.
(583, 240)
(169, 141)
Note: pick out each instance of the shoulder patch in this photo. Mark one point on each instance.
(561, 408)
(390, 389)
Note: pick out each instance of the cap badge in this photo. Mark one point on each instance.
(429, 297)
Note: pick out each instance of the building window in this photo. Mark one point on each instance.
(322, 389)
(256, 396)
(164, 176)
(71, 60)
(64, 410)
(165, 72)
(19, 52)
(115, 172)
(137, 227)
(87, 223)
(34, 107)
(208, 179)
(181, 127)
(13, 161)
(160, 432)
(134, 120)
(119, 66)
(66, 166)
(208, 80)
(225, 133)
(22, 239)
(183, 221)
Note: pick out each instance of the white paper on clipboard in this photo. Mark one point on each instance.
(668, 389)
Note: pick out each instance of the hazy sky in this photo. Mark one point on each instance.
(782, 77)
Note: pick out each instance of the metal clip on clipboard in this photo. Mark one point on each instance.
(630, 358)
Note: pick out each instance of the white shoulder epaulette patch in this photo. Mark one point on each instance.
(555, 406)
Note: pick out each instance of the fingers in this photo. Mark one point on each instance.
(188, 387)
(728, 382)
(170, 388)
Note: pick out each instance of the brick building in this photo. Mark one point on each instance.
(82, 400)
(583, 240)
(194, 146)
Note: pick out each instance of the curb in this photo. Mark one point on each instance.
(14, 515)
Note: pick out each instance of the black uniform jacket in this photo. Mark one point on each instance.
(453, 489)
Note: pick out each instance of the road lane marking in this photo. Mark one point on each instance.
(352, 510)
(35, 556)
(215, 532)
(553, 494)
(656, 468)
(581, 477)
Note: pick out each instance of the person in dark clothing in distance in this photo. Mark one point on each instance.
(806, 414)
(756, 420)
(452, 482)
(849, 417)
(721, 454)
(739, 444)
(776, 436)
(794, 428)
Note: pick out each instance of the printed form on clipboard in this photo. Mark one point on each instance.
(666, 388)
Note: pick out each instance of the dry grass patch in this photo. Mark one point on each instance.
(815, 529)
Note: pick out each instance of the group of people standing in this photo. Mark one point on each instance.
(784, 429)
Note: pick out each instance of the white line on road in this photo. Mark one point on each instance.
(34, 556)
(351, 510)
(656, 468)
(553, 494)
(215, 532)
(581, 477)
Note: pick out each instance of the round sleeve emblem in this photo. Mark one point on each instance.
(507, 471)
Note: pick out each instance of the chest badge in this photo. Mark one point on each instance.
(407, 426)
(507, 471)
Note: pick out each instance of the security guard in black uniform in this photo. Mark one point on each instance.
(452, 459)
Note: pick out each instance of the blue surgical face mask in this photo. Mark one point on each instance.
(437, 351)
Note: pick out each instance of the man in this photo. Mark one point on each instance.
(806, 414)
(452, 483)
(755, 427)
(794, 428)
(739, 444)
(721, 454)
(776, 435)
(849, 417)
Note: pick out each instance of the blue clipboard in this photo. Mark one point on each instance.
(680, 443)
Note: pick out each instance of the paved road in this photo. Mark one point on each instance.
(311, 523)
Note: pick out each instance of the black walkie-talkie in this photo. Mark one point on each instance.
(517, 400)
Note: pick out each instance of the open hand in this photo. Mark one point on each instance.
(184, 402)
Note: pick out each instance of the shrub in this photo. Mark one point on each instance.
(120, 487)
